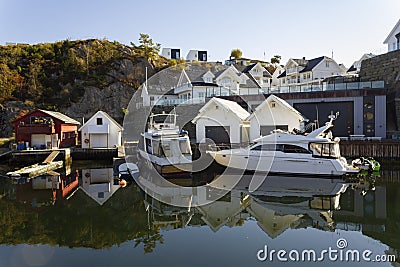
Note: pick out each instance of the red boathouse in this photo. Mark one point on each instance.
(43, 129)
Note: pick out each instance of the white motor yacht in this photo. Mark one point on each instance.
(315, 153)
(165, 146)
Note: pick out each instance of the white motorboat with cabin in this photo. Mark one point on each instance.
(165, 146)
(315, 153)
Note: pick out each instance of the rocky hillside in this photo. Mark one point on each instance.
(77, 78)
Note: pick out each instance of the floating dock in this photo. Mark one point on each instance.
(48, 165)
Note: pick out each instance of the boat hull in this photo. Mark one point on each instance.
(276, 164)
(165, 166)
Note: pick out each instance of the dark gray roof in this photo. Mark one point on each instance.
(312, 63)
(250, 83)
(283, 74)
(352, 68)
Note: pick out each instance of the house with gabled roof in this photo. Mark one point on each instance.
(393, 39)
(194, 82)
(279, 69)
(259, 74)
(45, 129)
(221, 121)
(356, 66)
(308, 72)
(101, 131)
(274, 113)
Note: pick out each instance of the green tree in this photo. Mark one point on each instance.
(276, 59)
(236, 53)
(147, 47)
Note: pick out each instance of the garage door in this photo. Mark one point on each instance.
(38, 140)
(219, 134)
(267, 129)
(98, 140)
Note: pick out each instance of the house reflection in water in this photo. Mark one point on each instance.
(99, 184)
(47, 189)
(277, 206)
(228, 210)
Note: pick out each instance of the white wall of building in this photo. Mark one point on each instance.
(270, 116)
(107, 134)
(216, 116)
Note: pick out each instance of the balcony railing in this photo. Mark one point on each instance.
(175, 102)
(326, 87)
(220, 91)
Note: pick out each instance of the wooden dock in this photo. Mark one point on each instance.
(389, 149)
(94, 153)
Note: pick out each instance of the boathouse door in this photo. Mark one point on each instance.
(219, 134)
(98, 140)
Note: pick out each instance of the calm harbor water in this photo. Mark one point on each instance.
(86, 218)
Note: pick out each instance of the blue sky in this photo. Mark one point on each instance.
(290, 28)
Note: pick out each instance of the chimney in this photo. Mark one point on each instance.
(304, 58)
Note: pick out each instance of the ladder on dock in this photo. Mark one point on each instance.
(51, 157)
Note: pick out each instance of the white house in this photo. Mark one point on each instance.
(196, 55)
(200, 80)
(259, 74)
(393, 39)
(355, 68)
(307, 72)
(274, 113)
(278, 71)
(101, 131)
(171, 53)
(222, 121)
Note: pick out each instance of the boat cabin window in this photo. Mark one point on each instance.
(281, 147)
(325, 150)
(267, 147)
(294, 149)
(149, 148)
(166, 149)
(156, 148)
(185, 147)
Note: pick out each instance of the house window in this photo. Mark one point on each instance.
(202, 95)
(308, 75)
(327, 64)
(99, 121)
(304, 76)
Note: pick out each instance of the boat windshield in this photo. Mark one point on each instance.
(325, 150)
(184, 145)
(169, 148)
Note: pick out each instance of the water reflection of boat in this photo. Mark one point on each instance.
(316, 153)
(165, 146)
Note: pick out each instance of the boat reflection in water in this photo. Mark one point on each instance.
(279, 203)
